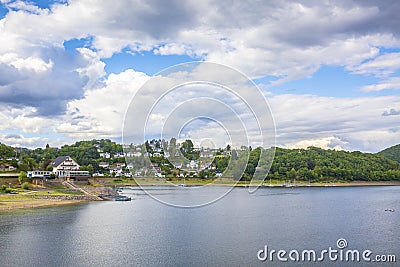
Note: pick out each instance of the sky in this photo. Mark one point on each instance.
(330, 70)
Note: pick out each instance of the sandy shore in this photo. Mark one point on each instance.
(12, 202)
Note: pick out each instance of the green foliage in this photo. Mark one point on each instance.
(187, 150)
(392, 153)
(6, 151)
(317, 164)
(22, 177)
(108, 146)
(88, 168)
(23, 167)
(84, 152)
(25, 186)
(5, 189)
(30, 162)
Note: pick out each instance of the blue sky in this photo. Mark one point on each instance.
(340, 60)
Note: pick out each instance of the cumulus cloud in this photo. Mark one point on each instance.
(45, 86)
(100, 113)
(331, 142)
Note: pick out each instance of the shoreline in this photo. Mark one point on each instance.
(21, 202)
(140, 182)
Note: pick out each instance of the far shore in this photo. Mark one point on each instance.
(229, 182)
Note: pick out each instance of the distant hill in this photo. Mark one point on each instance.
(392, 153)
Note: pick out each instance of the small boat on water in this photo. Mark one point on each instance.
(122, 198)
(390, 210)
(114, 197)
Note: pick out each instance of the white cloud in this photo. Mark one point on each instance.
(44, 86)
(34, 64)
(388, 84)
(101, 112)
(380, 66)
(331, 142)
(354, 121)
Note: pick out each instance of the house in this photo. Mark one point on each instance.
(104, 165)
(65, 167)
(192, 164)
(6, 167)
(64, 163)
(178, 165)
(120, 165)
(105, 155)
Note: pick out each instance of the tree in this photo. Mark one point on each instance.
(22, 177)
(6, 151)
(187, 146)
(23, 167)
(88, 168)
(25, 186)
(30, 162)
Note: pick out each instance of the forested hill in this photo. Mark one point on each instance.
(317, 164)
(392, 153)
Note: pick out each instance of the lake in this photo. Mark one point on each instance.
(229, 232)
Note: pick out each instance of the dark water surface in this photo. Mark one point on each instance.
(230, 232)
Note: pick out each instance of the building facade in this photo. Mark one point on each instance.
(65, 167)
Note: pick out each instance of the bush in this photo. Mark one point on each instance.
(3, 187)
(22, 177)
(8, 190)
(25, 185)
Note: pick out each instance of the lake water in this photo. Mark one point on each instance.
(229, 232)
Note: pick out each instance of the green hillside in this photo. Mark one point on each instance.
(392, 153)
(317, 164)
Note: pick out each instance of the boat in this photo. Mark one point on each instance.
(114, 197)
(122, 198)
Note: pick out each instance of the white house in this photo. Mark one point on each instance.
(66, 167)
(104, 165)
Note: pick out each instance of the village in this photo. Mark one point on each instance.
(155, 158)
